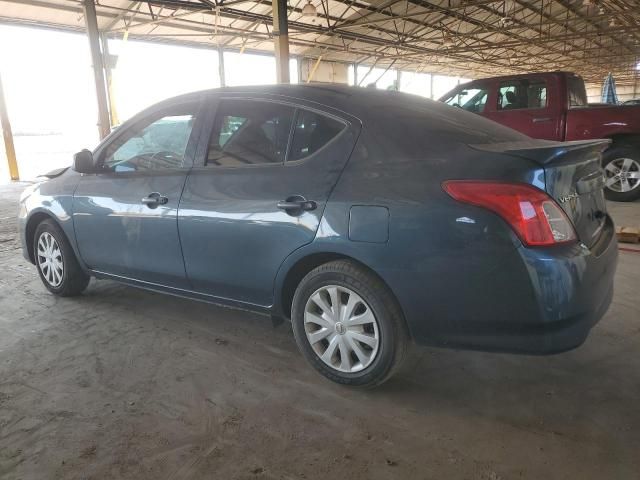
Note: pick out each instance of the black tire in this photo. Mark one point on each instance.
(617, 152)
(391, 327)
(73, 279)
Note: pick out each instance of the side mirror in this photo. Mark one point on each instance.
(83, 162)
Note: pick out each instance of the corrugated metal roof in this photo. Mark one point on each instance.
(456, 37)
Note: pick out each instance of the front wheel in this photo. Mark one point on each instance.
(56, 262)
(347, 324)
(622, 173)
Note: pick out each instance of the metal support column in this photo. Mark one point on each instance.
(93, 33)
(109, 64)
(281, 41)
(223, 82)
(431, 86)
(8, 137)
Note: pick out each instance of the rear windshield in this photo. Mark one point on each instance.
(439, 123)
(418, 128)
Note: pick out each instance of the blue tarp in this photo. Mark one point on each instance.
(609, 90)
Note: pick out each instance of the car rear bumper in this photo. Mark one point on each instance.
(532, 300)
(542, 337)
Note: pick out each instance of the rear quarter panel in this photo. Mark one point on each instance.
(447, 263)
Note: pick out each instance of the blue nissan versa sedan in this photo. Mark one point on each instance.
(368, 218)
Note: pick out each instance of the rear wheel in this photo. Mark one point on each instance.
(56, 262)
(348, 325)
(622, 173)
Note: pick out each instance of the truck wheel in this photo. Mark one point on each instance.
(622, 173)
(348, 325)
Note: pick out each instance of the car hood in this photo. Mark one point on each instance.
(55, 173)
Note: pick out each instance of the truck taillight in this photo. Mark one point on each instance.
(534, 216)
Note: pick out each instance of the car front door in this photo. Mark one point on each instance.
(125, 216)
(258, 194)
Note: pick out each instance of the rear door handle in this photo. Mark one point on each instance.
(541, 119)
(298, 204)
(154, 199)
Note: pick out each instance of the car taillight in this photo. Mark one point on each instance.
(533, 215)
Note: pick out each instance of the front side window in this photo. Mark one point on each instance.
(522, 94)
(312, 132)
(472, 99)
(156, 142)
(248, 132)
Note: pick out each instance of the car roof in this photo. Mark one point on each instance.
(352, 100)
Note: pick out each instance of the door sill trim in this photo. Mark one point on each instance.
(184, 293)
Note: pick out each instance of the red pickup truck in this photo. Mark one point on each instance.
(554, 106)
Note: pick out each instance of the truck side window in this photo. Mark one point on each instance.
(522, 94)
(576, 92)
(471, 99)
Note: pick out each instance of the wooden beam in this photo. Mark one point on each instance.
(7, 135)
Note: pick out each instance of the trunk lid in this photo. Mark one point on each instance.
(573, 178)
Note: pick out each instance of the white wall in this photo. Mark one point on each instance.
(50, 95)
(416, 83)
(331, 72)
(625, 92)
(381, 77)
(147, 73)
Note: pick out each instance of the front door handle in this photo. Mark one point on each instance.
(542, 119)
(297, 204)
(154, 199)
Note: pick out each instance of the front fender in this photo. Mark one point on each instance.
(52, 199)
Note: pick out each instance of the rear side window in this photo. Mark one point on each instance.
(522, 94)
(312, 132)
(248, 132)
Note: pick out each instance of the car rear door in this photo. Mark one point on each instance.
(125, 216)
(264, 172)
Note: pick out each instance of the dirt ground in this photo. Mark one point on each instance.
(125, 384)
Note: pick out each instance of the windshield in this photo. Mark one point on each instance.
(471, 99)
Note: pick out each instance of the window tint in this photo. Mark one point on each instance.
(156, 142)
(248, 132)
(312, 132)
(470, 99)
(522, 94)
(577, 91)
